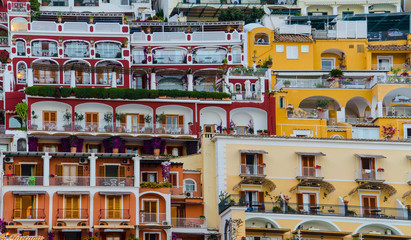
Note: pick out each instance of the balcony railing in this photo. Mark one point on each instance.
(397, 111)
(308, 113)
(29, 213)
(19, 6)
(115, 181)
(4, 41)
(69, 181)
(68, 213)
(246, 96)
(340, 210)
(369, 175)
(250, 169)
(23, 180)
(309, 173)
(177, 190)
(188, 223)
(159, 218)
(114, 214)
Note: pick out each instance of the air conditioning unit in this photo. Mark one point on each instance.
(8, 160)
(165, 223)
(189, 194)
(83, 161)
(126, 161)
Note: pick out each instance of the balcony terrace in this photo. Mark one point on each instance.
(196, 223)
(70, 214)
(369, 175)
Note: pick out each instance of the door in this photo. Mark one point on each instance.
(251, 164)
(91, 121)
(251, 199)
(134, 122)
(150, 211)
(384, 64)
(113, 207)
(151, 236)
(327, 64)
(308, 169)
(71, 235)
(69, 174)
(49, 120)
(113, 236)
(307, 202)
(368, 168)
(112, 175)
(72, 206)
(369, 204)
(25, 207)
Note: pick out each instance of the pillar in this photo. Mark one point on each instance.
(136, 160)
(398, 7)
(341, 115)
(226, 86)
(7, 81)
(113, 79)
(92, 159)
(304, 11)
(72, 79)
(366, 9)
(153, 85)
(2, 194)
(379, 110)
(335, 10)
(190, 86)
(29, 77)
(46, 169)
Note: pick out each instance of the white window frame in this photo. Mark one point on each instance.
(390, 58)
(178, 184)
(74, 46)
(328, 59)
(108, 49)
(64, 204)
(157, 206)
(305, 48)
(141, 175)
(279, 48)
(184, 185)
(406, 127)
(156, 233)
(291, 54)
(25, 72)
(121, 205)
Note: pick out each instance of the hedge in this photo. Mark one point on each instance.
(116, 93)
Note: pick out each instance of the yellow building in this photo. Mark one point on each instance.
(277, 188)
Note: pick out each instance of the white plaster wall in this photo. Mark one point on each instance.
(99, 108)
(17, 135)
(59, 107)
(242, 116)
(213, 115)
(135, 108)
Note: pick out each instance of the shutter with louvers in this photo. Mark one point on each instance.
(141, 120)
(80, 171)
(101, 171)
(180, 120)
(122, 171)
(17, 170)
(313, 199)
(300, 202)
(38, 170)
(17, 206)
(59, 170)
(110, 207)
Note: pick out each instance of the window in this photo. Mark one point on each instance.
(72, 206)
(384, 63)
(236, 52)
(292, 52)
(139, 56)
(304, 48)
(151, 236)
(308, 166)
(93, 148)
(254, 200)
(189, 185)
(367, 168)
(150, 211)
(76, 49)
(21, 145)
(369, 205)
(360, 48)
(279, 48)
(19, 24)
(49, 120)
(108, 50)
(79, 70)
(327, 64)
(306, 202)
(251, 164)
(21, 73)
(169, 56)
(91, 121)
(46, 75)
(174, 179)
(174, 124)
(113, 210)
(15, 122)
(407, 131)
(50, 148)
(282, 102)
(68, 174)
(112, 172)
(261, 39)
(25, 207)
(21, 48)
(44, 49)
(209, 55)
(134, 122)
(238, 88)
(149, 176)
(106, 71)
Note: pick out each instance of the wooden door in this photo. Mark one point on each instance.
(114, 207)
(368, 168)
(308, 169)
(369, 205)
(91, 121)
(306, 202)
(49, 120)
(72, 206)
(150, 211)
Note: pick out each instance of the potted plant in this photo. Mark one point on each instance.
(159, 119)
(33, 124)
(108, 118)
(259, 131)
(73, 142)
(229, 28)
(188, 29)
(60, 41)
(13, 40)
(92, 42)
(322, 104)
(269, 62)
(91, 19)
(232, 126)
(147, 120)
(317, 167)
(148, 29)
(78, 117)
(225, 130)
(380, 170)
(125, 42)
(156, 146)
(335, 74)
(28, 40)
(67, 120)
(202, 217)
(124, 19)
(287, 83)
(119, 118)
(59, 17)
(78, 2)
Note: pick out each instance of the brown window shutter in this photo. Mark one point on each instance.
(144, 177)
(141, 119)
(17, 170)
(164, 121)
(300, 200)
(88, 117)
(122, 171)
(101, 171)
(260, 159)
(169, 150)
(46, 117)
(242, 158)
(313, 199)
(38, 170)
(261, 197)
(180, 119)
(17, 206)
(59, 170)
(53, 116)
(80, 171)
(95, 117)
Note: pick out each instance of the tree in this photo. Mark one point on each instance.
(35, 9)
(235, 14)
(21, 109)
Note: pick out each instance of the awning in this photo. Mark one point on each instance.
(114, 226)
(311, 153)
(70, 227)
(115, 193)
(381, 236)
(320, 233)
(256, 181)
(388, 189)
(27, 226)
(369, 156)
(152, 226)
(73, 192)
(315, 183)
(253, 151)
(266, 230)
(28, 192)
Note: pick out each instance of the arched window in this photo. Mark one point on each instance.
(237, 87)
(169, 56)
(171, 82)
(19, 24)
(105, 71)
(21, 72)
(76, 49)
(189, 185)
(21, 145)
(139, 56)
(45, 72)
(15, 122)
(261, 39)
(77, 69)
(209, 55)
(236, 55)
(21, 48)
(44, 48)
(108, 50)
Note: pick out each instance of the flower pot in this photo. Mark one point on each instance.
(77, 4)
(119, 129)
(45, 4)
(225, 131)
(115, 150)
(157, 151)
(287, 85)
(60, 19)
(109, 129)
(73, 149)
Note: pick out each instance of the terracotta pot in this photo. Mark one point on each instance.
(115, 150)
(157, 151)
(73, 149)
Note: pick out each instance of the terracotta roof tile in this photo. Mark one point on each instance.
(389, 48)
(291, 38)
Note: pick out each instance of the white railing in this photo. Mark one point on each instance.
(251, 169)
(295, 29)
(46, 26)
(159, 218)
(216, 36)
(115, 181)
(310, 172)
(397, 111)
(370, 174)
(188, 223)
(246, 96)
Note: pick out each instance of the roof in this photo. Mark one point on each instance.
(292, 38)
(388, 189)
(311, 153)
(369, 156)
(253, 151)
(389, 48)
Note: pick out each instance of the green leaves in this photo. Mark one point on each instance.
(21, 109)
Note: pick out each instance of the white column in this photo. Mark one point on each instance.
(379, 110)
(91, 209)
(136, 160)
(92, 159)
(366, 9)
(190, 86)
(341, 115)
(398, 8)
(335, 10)
(72, 79)
(51, 209)
(153, 85)
(304, 11)
(46, 168)
(29, 77)
(226, 86)
(7, 81)
(114, 80)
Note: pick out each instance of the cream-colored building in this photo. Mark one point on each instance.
(280, 187)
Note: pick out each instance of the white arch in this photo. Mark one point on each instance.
(164, 196)
(273, 222)
(108, 60)
(329, 223)
(258, 116)
(384, 225)
(314, 98)
(213, 115)
(190, 179)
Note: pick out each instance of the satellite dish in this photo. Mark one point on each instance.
(267, 10)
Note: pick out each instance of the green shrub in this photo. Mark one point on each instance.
(46, 91)
(82, 92)
(115, 93)
(65, 92)
(33, 91)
